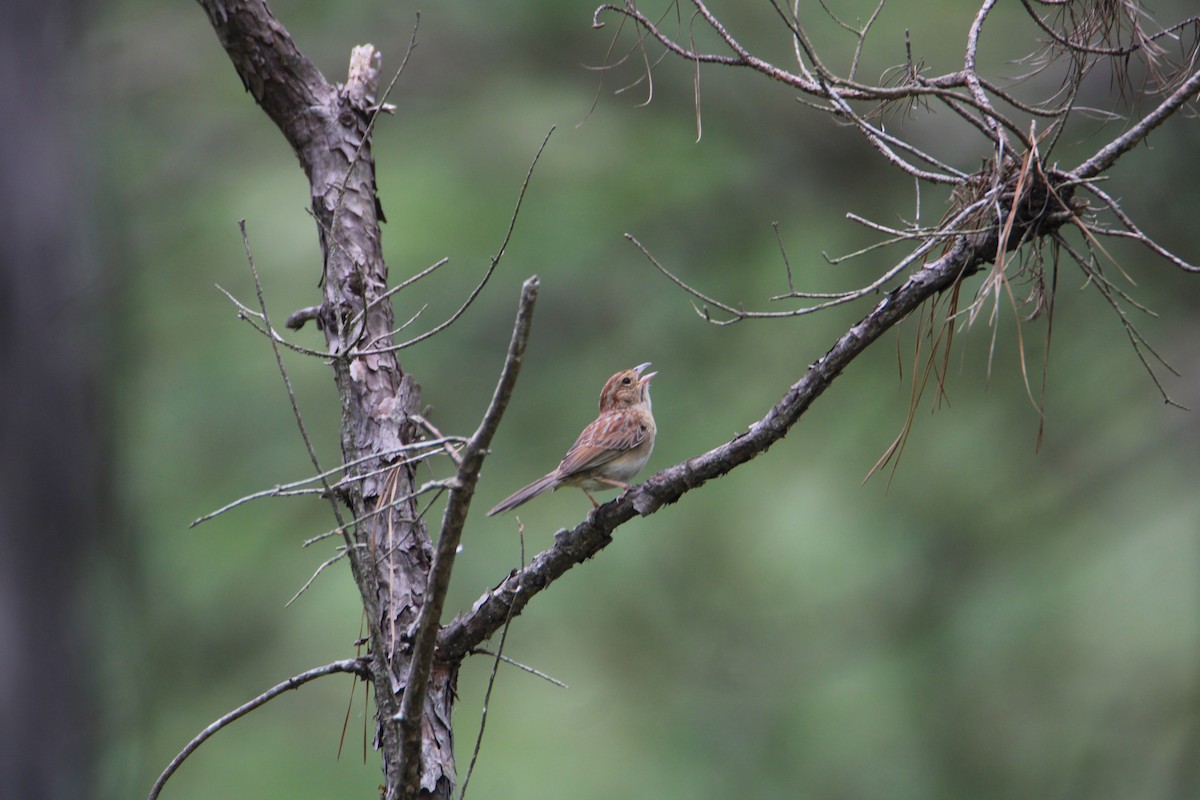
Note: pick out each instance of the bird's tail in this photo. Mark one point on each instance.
(545, 483)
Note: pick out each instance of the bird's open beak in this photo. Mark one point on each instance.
(643, 378)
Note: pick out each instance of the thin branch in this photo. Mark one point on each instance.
(1140, 346)
(248, 314)
(799, 41)
(973, 77)
(387, 335)
(512, 223)
(462, 489)
(480, 651)
(293, 488)
(737, 314)
(433, 431)
(491, 683)
(1117, 52)
(354, 666)
(835, 260)
(287, 382)
(1133, 232)
(882, 142)
(425, 488)
(859, 34)
(397, 288)
(786, 261)
(338, 556)
(734, 61)
(941, 87)
(1106, 156)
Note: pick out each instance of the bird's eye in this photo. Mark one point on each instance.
(626, 380)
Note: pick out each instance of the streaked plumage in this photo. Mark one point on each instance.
(611, 450)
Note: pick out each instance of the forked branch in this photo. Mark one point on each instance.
(462, 489)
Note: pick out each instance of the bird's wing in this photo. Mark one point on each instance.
(602, 441)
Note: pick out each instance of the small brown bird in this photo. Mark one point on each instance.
(611, 450)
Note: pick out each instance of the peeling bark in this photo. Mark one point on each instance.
(327, 126)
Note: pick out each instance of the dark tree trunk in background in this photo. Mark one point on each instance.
(49, 444)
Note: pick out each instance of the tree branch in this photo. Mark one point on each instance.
(284, 83)
(1106, 156)
(355, 666)
(453, 520)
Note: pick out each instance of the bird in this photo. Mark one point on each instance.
(611, 450)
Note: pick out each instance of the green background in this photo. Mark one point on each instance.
(990, 622)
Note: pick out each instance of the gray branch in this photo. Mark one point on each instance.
(455, 517)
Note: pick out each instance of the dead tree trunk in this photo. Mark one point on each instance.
(328, 127)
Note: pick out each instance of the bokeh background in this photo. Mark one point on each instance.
(991, 621)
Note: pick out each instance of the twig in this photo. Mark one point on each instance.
(487, 695)
(495, 261)
(480, 651)
(787, 264)
(972, 76)
(341, 553)
(462, 489)
(1136, 340)
(1133, 232)
(428, 486)
(246, 313)
(433, 431)
(1106, 156)
(883, 142)
(398, 288)
(287, 382)
(292, 489)
(354, 666)
(946, 231)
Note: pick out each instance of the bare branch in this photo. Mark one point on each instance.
(294, 488)
(1133, 232)
(491, 683)
(336, 557)
(947, 231)
(480, 651)
(882, 142)
(249, 315)
(1108, 155)
(462, 489)
(357, 318)
(1141, 347)
(383, 508)
(1078, 43)
(973, 77)
(287, 382)
(354, 666)
(495, 262)
(445, 441)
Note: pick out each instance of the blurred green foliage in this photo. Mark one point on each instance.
(989, 622)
